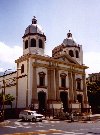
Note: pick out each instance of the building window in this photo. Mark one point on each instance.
(77, 54)
(40, 43)
(78, 85)
(78, 80)
(63, 80)
(90, 79)
(33, 42)
(41, 79)
(71, 53)
(22, 68)
(26, 44)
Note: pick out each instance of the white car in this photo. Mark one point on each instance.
(30, 115)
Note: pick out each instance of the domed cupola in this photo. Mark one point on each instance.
(69, 41)
(69, 47)
(34, 39)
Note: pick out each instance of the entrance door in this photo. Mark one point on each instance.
(42, 101)
(79, 98)
(64, 99)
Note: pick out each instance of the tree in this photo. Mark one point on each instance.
(7, 99)
(93, 91)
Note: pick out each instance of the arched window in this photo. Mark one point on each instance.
(26, 44)
(71, 53)
(77, 54)
(41, 79)
(40, 43)
(78, 81)
(63, 80)
(33, 42)
(22, 68)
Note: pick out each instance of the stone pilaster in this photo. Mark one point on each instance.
(84, 89)
(70, 87)
(52, 85)
(29, 45)
(74, 87)
(49, 82)
(51, 90)
(57, 83)
(34, 88)
(27, 84)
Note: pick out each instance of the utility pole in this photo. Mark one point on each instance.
(4, 86)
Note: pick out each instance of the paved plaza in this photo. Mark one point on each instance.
(50, 127)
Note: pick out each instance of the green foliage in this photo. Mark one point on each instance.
(7, 99)
(93, 91)
(93, 86)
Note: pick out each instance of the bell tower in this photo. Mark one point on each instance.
(34, 39)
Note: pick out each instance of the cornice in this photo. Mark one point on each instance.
(22, 58)
(32, 34)
(48, 59)
(49, 67)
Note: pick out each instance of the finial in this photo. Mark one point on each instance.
(34, 17)
(34, 21)
(69, 34)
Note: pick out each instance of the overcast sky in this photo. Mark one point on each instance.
(56, 17)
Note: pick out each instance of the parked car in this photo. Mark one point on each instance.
(30, 115)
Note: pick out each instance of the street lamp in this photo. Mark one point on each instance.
(4, 91)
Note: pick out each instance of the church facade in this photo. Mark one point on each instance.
(48, 82)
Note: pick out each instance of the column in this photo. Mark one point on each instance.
(29, 45)
(52, 85)
(57, 83)
(74, 87)
(70, 87)
(27, 83)
(34, 86)
(51, 90)
(84, 89)
(49, 82)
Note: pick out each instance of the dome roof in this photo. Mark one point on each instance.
(34, 28)
(69, 40)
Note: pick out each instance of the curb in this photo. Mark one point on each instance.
(69, 121)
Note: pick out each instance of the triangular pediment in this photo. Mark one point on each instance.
(67, 58)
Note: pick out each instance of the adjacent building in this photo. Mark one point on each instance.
(94, 77)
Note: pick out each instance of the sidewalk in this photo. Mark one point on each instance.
(92, 117)
(57, 119)
(4, 123)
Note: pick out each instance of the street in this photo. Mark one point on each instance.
(17, 127)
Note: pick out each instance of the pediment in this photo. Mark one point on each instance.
(67, 58)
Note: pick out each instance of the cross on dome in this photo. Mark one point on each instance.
(34, 20)
(34, 17)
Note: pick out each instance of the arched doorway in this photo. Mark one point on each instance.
(42, 101)
(80, 99)
(64, 99)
